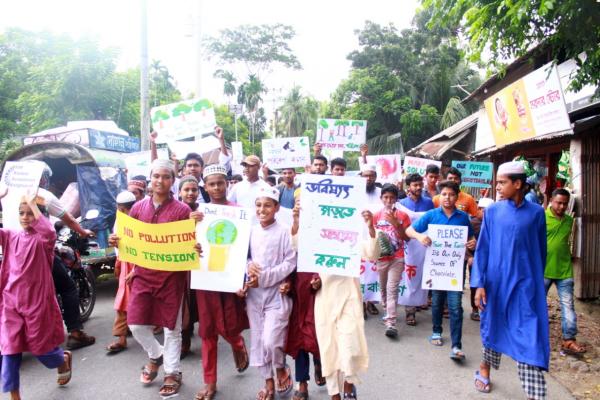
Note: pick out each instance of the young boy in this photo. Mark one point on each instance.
(392, 224)
(272, 260)
(124, 271)
(219, 313)
(446, 214)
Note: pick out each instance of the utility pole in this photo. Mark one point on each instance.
(198, 38)
(144, 85)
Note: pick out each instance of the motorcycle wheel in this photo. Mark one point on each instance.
(86, 283)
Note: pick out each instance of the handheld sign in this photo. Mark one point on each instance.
(183, 119)
(20, 178)
(331, 224)
(341, 134)
(444, 259)
(164, 247)
(286, 152)
(416, 165)
(475, 174)
(224, 234)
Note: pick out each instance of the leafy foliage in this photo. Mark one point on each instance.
(508, 29)
(298, 113)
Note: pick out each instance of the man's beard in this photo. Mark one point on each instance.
(371, 188)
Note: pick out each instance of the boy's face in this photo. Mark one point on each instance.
(338, 170)
(161, 181)
(288, 176)
(193, 167)
(416, 188)
(432, 179)
(189, 192)
(388, 200)
(448, 198)
(506, 188)
(319, 167)
(122, 208)
(216, 187)
(454, 178)
(26, 216)
(266, 208)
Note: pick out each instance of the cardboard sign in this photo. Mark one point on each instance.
(139, 163)
(331, 225)
(475, 174)
(20, 178)
(369, 281)
(341, 134)
(182, 120)
(388, 167)
(416, 165)
(286, 152)
(164, 247)
(224, 234)
(444, 259)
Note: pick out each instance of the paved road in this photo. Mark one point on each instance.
(408, 368)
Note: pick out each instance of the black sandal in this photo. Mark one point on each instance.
(319, 379)
(148, 376)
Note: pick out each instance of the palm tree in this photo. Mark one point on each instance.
(298, 112)
(228, 84)
(250, 94)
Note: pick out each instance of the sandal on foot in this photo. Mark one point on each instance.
(241, 360)
(372, 309)
(572, 347)
(298, 395)
(319, 378)
(148, 376)
(411, 320)
(115, 347)
(170, 390)
(352, 395)
(288, 384)
(475, 316)
(205, 394)
(65, 377)
(79, 339)
(457, 354)
(484, 383)
(265, 394)
(436, 339)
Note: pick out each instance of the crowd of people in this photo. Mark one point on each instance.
(515, 251)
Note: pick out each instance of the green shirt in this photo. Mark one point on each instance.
(558, 261)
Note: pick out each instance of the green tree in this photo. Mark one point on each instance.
(229, 79)
(508, 29)
(298, 113)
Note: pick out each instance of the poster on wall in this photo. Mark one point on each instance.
(532, 106)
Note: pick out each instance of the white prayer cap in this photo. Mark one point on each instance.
(511, 168)
(158, 163)
(214, 169)
(485, 202)
(368, 168)
(270, 192)
(125, 197)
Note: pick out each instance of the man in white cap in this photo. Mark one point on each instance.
(508, 272)
(244, 193)
(369, 172)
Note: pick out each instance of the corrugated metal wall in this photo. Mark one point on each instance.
(590, 257)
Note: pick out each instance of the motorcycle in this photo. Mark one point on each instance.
(70, 247)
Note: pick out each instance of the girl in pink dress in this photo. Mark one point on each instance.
(30, 319)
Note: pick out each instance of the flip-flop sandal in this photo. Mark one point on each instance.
(352, 395)
(411, 320)
(241, 367)
(436, 339)
(264, 394)
(298, 395)
(115, 348)
(484, 381)
(148, 376)
(372, 309)
(457, 354)
(172, 387)
(289, 383)
(319, 378)
(65, 377)
(475, 316)
(205, 395)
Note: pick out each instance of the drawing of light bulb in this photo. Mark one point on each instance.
(221, 234)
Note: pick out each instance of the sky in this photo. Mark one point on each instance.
(324, 33)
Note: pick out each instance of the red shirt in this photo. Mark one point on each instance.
(380, 223)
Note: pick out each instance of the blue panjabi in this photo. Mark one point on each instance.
(509, 263)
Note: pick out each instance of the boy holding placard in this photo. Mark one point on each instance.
(446, 214)
(272, 260)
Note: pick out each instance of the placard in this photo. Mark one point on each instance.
(475, 174)
(183, 119)
(224, 234)
(411, 293)
(388, 167)
(331, 225)
(341, 134)
(369, 281)
(20, 178)
(444, 259)
(164, 247)
(139, 163)
(289, 152)
(416, 165)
